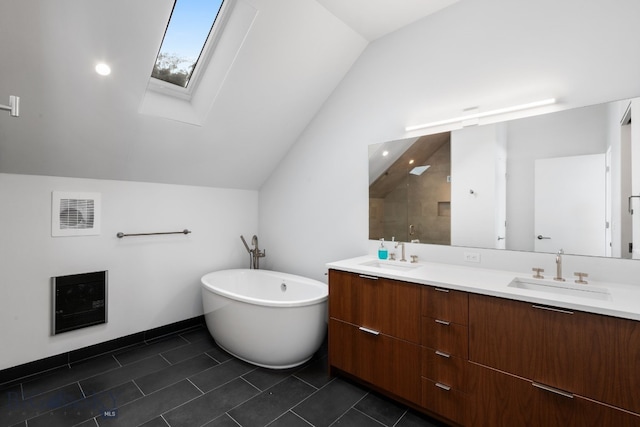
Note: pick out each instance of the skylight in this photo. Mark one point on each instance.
(187, 39)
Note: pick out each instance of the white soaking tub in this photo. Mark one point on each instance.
(270, 319)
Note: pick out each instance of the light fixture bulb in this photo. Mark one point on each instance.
(103, 69)
(385, 153)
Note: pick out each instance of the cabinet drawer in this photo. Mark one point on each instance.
(389, 306)
(502, 400)
(443, 368)
(445, 304)
(386, 362)
(444, 401)
(591, 355)
(450, 338)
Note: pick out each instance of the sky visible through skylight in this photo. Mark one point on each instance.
(186, 34)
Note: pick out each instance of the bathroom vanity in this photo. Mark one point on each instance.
(474, 348)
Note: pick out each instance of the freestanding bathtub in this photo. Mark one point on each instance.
(270, 319)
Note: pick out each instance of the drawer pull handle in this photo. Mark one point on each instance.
(557, 310)
(369, 331)
(553, 390)
(443, 354)
(443, 322)
(443, 386)
(364, 276)
(442, 290)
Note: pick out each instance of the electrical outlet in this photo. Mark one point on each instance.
(472, 257)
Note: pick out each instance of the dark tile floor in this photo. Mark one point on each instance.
(185, 379)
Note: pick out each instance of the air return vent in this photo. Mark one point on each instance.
(78, 301)
(77, 213)
(74, 214)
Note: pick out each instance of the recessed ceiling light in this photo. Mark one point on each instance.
(103, 69)
(411, 161)
(385, 153)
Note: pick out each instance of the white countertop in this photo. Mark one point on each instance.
(623, 300)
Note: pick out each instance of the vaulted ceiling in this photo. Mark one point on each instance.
(76, 123)
(417, 155)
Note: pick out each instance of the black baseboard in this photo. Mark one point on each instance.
(21, 371)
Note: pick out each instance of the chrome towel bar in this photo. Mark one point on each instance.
(121, 235)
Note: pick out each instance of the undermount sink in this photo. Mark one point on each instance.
(563, 288)
(390, 265)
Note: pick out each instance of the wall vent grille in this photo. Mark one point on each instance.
(77, 213)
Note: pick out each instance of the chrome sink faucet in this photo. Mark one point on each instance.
(559, 266)
(402, 245)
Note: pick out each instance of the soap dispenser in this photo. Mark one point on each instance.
(382, 251)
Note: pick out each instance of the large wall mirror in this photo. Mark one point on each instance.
(563, 180)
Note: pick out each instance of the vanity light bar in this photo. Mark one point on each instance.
(485, 114)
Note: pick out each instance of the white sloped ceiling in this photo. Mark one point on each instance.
(76, 123)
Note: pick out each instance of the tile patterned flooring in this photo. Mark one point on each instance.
(185, 379)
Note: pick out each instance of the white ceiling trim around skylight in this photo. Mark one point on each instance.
(194, 108)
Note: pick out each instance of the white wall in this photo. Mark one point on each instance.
(488, 53)
(475, 154)
(575, 132)
(153, 281)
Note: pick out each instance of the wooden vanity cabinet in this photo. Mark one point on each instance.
(445, 352)
(374, 332)
(567, 363)
(478, 360)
